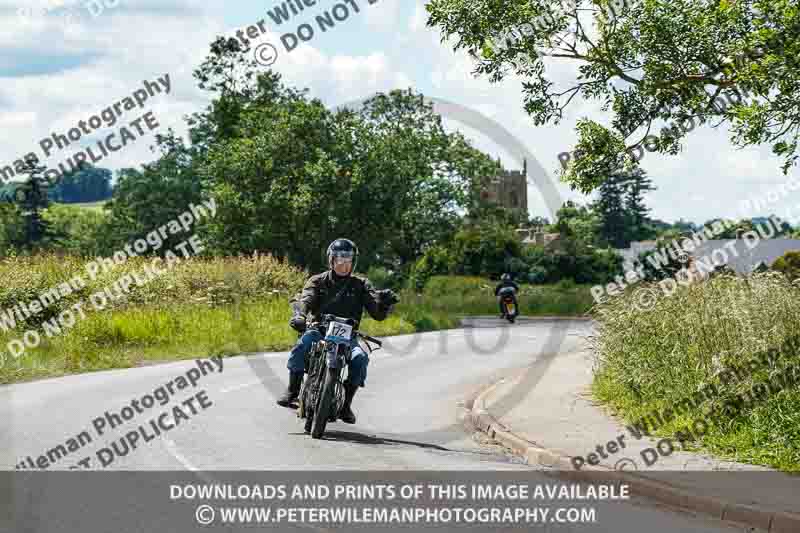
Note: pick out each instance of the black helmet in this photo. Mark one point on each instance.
(343, 248)
(505, 277)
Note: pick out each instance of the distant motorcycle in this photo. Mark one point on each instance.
(322, 394)
(510, 310)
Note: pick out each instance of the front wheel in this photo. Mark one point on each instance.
(325, 404)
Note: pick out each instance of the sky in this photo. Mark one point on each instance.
(63, 61)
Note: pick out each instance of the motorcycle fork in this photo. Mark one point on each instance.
(339, 358)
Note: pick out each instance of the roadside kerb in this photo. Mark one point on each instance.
(476, 417)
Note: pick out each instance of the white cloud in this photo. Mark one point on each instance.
(112, 63)
(340, 78)
(419, 19)
(383, 15)
(57, 74)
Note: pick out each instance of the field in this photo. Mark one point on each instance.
(92, 206)
(206, 307)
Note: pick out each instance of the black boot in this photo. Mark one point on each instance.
(347, 415)
(293, 392)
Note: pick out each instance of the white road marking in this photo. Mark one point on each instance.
(172, 448)
(239, 387)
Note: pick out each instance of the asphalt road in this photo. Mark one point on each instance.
(407, 416)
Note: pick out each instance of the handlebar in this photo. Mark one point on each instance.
(319, 325)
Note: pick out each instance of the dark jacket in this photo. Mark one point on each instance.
(502, 284)
(354, 294)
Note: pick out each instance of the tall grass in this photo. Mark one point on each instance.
(475, 296)
(204, 307)
(654, 359)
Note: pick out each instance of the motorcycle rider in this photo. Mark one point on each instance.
(505, 281)
(338, 292)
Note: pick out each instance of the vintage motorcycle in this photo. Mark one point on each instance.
(322, 395)
(510, 310)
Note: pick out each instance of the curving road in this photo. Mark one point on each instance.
(408, 415)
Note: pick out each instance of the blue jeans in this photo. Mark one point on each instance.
(357, 369)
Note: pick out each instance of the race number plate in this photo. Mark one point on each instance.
(343, 331)
(510, 308)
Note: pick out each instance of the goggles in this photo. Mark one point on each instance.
(341, 254)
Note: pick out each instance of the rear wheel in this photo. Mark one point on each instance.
(324, 406)
(510, 314)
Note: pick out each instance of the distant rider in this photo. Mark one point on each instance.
(338, 292)
(505, 281)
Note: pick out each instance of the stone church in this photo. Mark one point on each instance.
(509, 189)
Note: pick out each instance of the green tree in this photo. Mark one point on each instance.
(571, 258)
(485, 249)
(145, 199)
(290, 175)
(32, 197)
(614, 219)
(87, 184)
(432, 175)
(437, 260)
(537, 222)
(82, 230)
(578, 221)
(638, 224)
(12, 228)
(649, 61)
(789, 264)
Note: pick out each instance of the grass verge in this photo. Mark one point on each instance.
(704, 337)
(212, 307)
